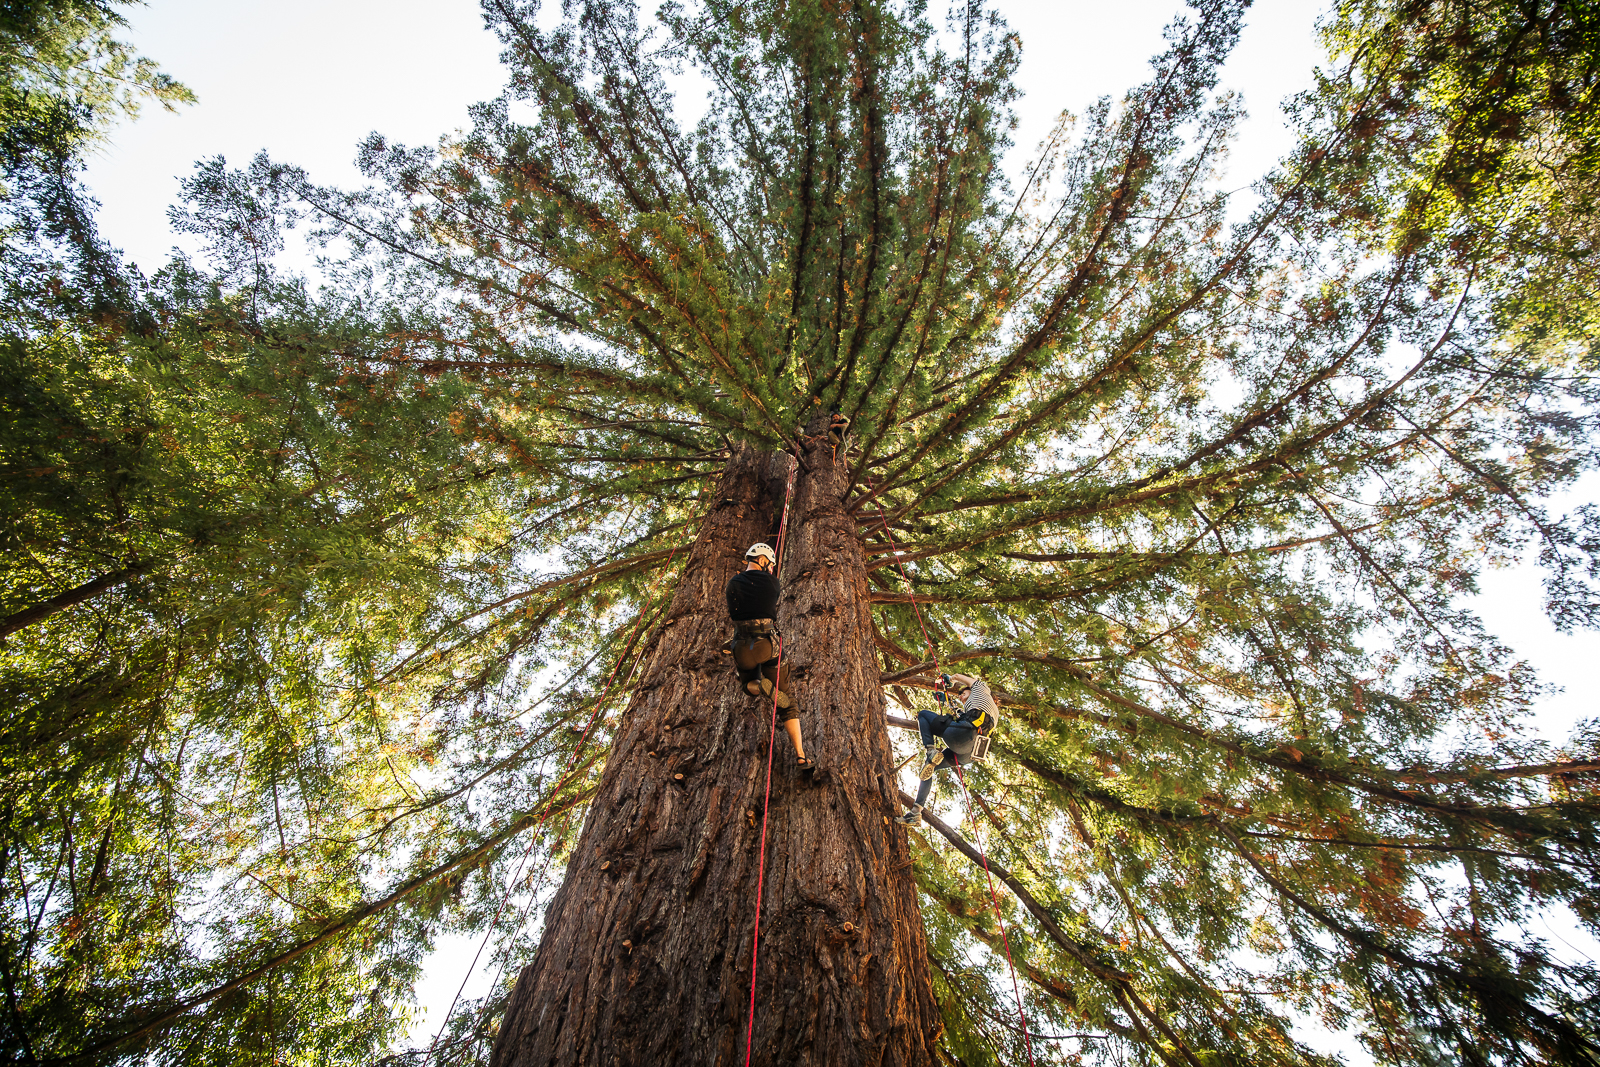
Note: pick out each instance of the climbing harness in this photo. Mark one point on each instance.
(538, 830)
(766, 802)
(981, 745)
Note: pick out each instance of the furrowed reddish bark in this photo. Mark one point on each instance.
(646, 953)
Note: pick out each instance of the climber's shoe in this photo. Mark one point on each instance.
(806, 764)
(912, 817)
(935, 757)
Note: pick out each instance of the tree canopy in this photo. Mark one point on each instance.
(309, 595)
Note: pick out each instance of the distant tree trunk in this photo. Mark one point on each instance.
(21, 620)
(646, 951)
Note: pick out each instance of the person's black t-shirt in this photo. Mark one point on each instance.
(753, 595)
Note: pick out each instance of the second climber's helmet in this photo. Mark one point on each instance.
(759, 549)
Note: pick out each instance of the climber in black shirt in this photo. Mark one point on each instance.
(753, 592)
(753, 607)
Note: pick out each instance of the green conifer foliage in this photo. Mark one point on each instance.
(1201, 493)
(1489, 147)
(249, 519)
(64, 81)
(225, 516)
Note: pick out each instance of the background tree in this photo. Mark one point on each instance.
(1489, 147)
(64, 81)
(219, 516)
(1202, 486)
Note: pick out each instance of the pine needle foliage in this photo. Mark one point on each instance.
(1201, 483)
(65, 80)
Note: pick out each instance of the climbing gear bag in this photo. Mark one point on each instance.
(980, 744)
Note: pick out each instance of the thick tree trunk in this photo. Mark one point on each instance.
(646, 954)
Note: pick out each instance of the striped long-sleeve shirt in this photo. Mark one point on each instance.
(980, 709)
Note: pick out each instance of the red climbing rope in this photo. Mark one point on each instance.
(961, 777)
(567, 775)
(766, 802)
(994, 898)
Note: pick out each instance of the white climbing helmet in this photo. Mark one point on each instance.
(759, 549)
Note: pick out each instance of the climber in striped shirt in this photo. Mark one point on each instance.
(960, 732)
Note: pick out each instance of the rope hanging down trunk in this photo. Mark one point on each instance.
(766, 802)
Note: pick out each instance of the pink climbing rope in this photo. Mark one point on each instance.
(983, 853)
(933, 655)
(766, 802)
(994, 898)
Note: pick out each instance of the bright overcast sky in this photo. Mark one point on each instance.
(307, 79)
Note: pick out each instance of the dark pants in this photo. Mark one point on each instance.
(959, 738)
(754, 655)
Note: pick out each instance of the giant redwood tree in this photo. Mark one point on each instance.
(1199, 481)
